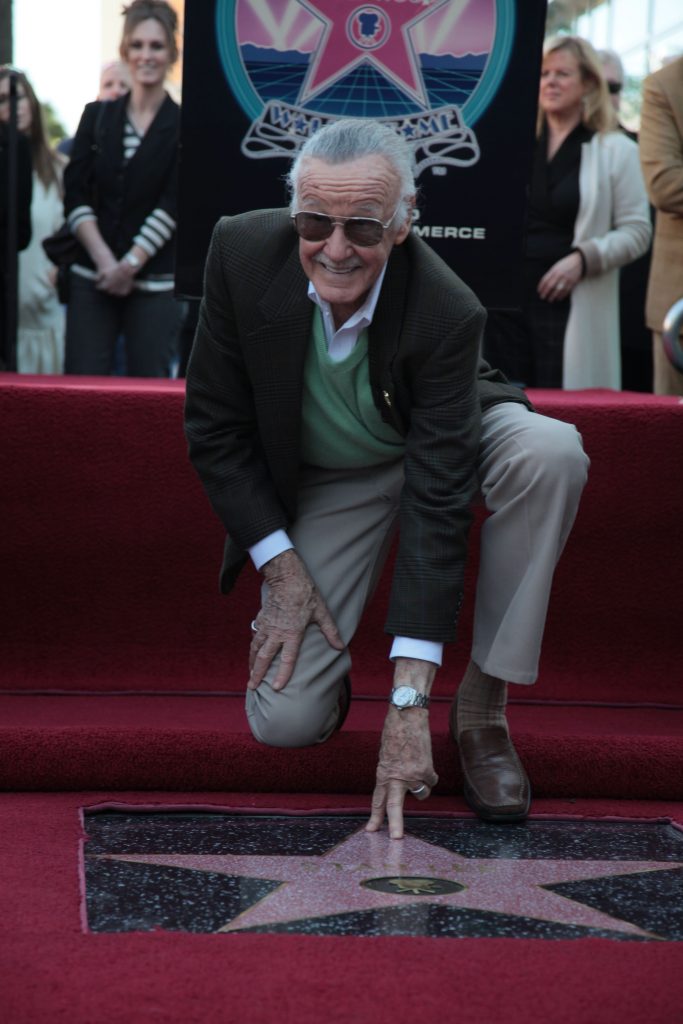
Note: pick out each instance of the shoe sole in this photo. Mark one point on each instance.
(491, 816)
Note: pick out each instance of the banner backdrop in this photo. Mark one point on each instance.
(457, 78)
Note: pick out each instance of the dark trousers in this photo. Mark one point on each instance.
(528, 345)
(149, 323)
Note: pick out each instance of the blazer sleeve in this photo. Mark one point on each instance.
(440, 476)
(160, 224)
(80, 171)
(661, 149)
(157, 229)
(220, 418)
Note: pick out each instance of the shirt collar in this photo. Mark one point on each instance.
(363, 316)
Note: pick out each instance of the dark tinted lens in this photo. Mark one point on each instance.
(614, 87)
(314, 227)
(362, 231)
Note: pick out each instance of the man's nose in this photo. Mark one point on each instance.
(337, 245)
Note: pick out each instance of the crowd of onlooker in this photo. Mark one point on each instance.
(596, 288)
(112, 189)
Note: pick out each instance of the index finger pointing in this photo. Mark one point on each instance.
(396, 796)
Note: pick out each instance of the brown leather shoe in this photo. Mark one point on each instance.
(496, 786)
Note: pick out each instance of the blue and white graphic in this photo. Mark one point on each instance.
(429, 68)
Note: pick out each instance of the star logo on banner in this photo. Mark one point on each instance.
(372, 33)
(370, 871)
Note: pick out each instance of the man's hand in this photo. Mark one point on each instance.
(293, 601)
(405, 757)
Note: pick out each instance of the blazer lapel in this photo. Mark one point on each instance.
(282, 322)
(156, 141)
(385, 333)
(275, 352)
(388, 318)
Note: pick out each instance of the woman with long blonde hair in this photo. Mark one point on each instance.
(588, 215)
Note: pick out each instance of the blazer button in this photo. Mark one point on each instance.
(387, 398)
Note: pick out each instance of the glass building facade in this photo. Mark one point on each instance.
(645, 33)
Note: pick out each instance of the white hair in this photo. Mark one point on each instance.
(612, 57)
(348, 139)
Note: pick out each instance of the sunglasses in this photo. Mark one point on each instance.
(615, 87)
(363, 231)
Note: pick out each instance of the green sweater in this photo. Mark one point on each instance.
(341, 426)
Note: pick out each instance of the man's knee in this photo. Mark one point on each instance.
(555, 452)
(546, 457)
(280, 720)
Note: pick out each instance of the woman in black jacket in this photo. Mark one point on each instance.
(120, 203)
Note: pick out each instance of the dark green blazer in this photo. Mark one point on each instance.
(244, 394)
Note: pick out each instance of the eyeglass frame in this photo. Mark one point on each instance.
(342, 222)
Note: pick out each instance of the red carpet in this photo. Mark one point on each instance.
(112, 553)
(115, 552)
(52, 971)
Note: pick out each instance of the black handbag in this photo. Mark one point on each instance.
(62, 248)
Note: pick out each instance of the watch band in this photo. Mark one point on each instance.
(407, 697)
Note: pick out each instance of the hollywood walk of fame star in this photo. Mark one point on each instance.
(333, 883)
(388, 47)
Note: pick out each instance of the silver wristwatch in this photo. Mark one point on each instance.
(134, 261)
(407, 697)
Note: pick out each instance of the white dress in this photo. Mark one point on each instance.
(41, 317)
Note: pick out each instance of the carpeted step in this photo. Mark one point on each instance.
(70, 742)
(114, 551)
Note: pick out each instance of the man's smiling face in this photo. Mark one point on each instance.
(341, 272)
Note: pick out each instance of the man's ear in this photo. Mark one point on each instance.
(407, 224)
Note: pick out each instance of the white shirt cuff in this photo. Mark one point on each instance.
(409, 647)
(274, 544)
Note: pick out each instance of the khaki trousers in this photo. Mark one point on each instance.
(532, 470)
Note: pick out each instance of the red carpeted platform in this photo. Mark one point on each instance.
(53, 971)
(121, 679)
(110, 554)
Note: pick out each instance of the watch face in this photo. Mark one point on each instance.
(403, 696)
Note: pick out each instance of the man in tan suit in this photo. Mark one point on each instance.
(661, 154)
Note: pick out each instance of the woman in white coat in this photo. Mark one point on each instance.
(588, 215)
(41, 320)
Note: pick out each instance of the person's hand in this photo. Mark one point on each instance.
(558, 282)
(405, 765)
(405, 756)
(116, 278)
(292, 602)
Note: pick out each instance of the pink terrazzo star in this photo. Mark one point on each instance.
(374, 33)
(331, 883)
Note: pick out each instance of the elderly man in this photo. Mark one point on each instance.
(335, 392)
